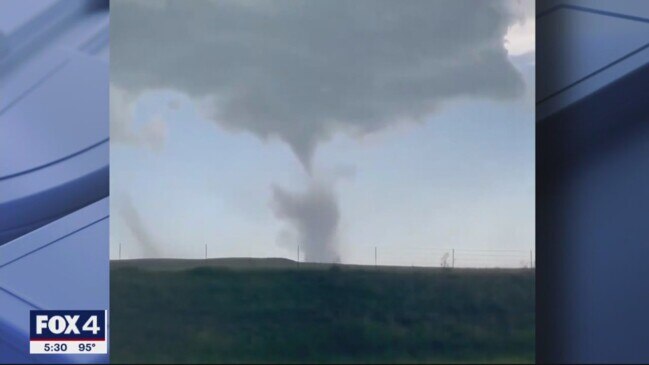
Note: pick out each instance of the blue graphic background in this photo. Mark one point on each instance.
(53, 166)
(592, 181)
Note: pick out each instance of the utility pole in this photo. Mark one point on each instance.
(206, 251)
(298, 255)
(531, 260)
(453, 258)
(375, 257)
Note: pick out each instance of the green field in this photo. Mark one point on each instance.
(246, 310)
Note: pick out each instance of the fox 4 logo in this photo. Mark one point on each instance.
(67, 325)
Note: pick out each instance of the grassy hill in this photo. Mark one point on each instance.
(269, 310)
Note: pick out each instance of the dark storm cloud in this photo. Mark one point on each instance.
(123, 129)
(301, 71)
